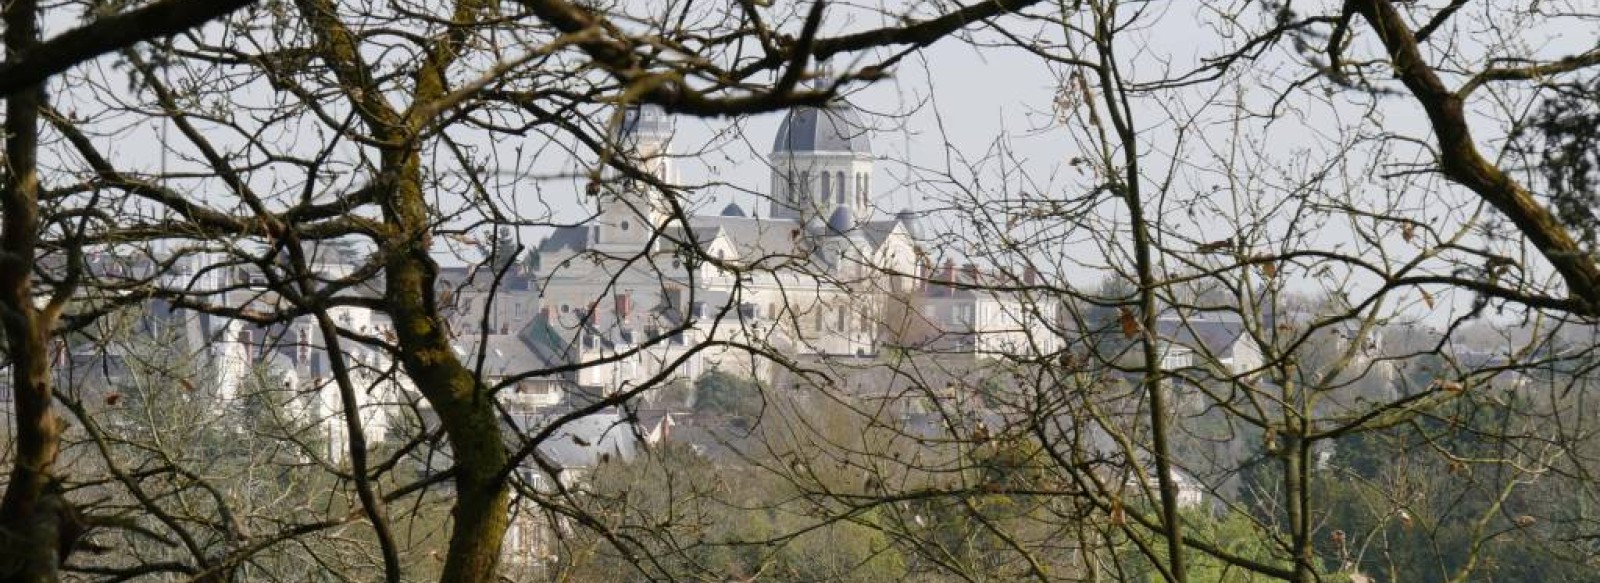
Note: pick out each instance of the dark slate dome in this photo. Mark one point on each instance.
(836, 129)
(732, 210)
(842, 221)
(645, 120)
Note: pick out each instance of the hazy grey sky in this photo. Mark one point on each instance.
(950, 104)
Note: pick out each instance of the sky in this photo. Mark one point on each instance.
(951, 105)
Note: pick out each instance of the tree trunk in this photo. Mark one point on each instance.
(465, 409)
(29, 511)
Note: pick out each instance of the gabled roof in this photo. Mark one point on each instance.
(571, 237)
(587, 441)
(878, 231)
(1214, 334)
(753, 238)
(503, 354)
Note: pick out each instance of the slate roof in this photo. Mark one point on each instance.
(545, 341)
(1213, 334)
(503, 354)
(752, 237)
(584, 442)
(573, 237)
(913, 221)
(878, 231)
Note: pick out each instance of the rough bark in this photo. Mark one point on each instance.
(465, 409)
(27, 513)
(1461, 162)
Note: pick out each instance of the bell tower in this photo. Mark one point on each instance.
(631, 210)
(821, 160)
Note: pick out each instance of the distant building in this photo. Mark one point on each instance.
(1206, 339)
(823, 273)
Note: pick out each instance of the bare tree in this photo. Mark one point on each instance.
(401, 99)
(1263, 322)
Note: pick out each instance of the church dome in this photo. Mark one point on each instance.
(833, 129)
(732, 210)
(842, 221)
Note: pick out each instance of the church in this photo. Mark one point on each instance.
(824, 272)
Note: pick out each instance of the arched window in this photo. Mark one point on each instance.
(838, 179)
(805, 185)
(827, 193)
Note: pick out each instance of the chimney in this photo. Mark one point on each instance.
(970, 271)
(1030, 276)
(947, 277)
(623, 303)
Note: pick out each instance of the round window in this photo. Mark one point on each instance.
(565, 308)
(625, 225)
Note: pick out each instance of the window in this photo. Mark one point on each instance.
(841, 319)
(838, 179)
(565, 308)
(625, 225)
(827, 193)
(964, 314)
